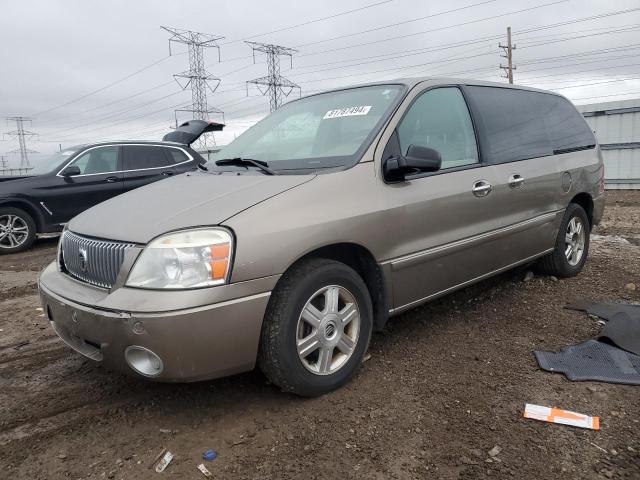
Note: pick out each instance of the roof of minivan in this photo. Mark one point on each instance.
(413, 81)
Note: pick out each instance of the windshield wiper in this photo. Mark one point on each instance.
(243, 162)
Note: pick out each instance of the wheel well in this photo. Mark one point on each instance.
(35, 215)
(363, 262)
(585, 201)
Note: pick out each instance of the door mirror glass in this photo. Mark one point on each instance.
(71, 171)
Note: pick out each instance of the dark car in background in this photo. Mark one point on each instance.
(77, 178)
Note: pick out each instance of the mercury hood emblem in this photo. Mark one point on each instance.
(83, 259)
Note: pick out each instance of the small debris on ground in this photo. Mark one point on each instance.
(204, 470)
(164, 462)
(366, 357)
(210, 455)
(20, 345)
(528, 276)
(495, 451)
(631, 287)
(564, 417)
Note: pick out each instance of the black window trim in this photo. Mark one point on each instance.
(481, 138)
(121, 158)
(481, 162)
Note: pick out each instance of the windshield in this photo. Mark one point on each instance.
(55, 161)
(322, 131)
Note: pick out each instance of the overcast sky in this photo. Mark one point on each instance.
(71, 65)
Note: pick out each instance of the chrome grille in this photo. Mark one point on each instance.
(93, 261)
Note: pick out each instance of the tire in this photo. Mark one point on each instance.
(17, 230)
(557, 263)
(315, 283)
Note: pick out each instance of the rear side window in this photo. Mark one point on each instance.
(176, 156)
(141, 157)
(519, 124)
(566, 127)
(439, 119)
(513, 124)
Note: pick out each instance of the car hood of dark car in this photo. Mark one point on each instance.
(13, 180)
(190, 200)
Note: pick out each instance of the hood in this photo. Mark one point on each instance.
(10, 178)
(190, 131)
(189, 200)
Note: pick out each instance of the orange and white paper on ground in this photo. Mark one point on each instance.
(565, 417)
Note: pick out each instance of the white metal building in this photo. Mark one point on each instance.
(617, 127)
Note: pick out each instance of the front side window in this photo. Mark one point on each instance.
(439, 119)
(98, 160)
(142, 157)
(327, 130)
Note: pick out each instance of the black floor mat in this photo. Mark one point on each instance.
(623, 331)
(606, 311)
(593, 360)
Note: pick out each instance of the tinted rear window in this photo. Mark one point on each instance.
(141, 157)
(519, 124)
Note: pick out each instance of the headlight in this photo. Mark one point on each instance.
(187, 259)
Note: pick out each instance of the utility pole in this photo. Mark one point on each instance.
(21, 134)
(276, 85)
(508, 54)
(197, 77)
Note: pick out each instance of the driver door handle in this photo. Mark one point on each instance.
(112, 179)
(516, 180)
(481, 188)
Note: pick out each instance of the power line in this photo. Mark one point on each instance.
(104, 87)
(362, 32)
(309, 22)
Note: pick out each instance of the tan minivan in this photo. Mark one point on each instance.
(316, 225)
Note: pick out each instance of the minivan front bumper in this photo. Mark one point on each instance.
(203, 342)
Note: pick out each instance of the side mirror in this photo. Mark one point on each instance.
(418, 159)
(71, 171)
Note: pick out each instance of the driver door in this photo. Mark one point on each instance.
(100, 179)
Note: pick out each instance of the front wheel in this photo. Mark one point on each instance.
(317, 328)
(572, 244)
(17, 230)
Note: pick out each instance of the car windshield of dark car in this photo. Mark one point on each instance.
(322, 131)
(53, 162)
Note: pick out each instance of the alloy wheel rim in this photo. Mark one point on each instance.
(327, 330)
(574, 242)
(14, 231)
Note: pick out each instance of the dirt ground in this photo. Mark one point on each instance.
(445, 384)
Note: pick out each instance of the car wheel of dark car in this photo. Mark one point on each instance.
(317, 328)
(17, 230)
(572, 244)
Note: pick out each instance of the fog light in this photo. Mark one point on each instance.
(143, 361)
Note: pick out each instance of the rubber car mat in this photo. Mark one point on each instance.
(593, 360)
(623, 331)
(606, 311)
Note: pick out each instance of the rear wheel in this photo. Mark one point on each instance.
(17, 230)
(572, 244)
(317, 328)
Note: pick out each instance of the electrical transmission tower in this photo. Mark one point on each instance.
(21, 134)
(197, 76)
(508, 54)
(276, 85)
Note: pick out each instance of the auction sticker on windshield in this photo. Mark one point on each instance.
(347, 112)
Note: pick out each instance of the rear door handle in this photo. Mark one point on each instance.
(112, 179)
(167, 173)
(516, 180)
(481, 188)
